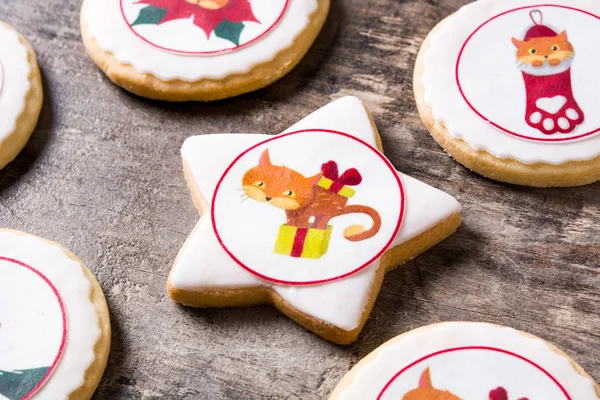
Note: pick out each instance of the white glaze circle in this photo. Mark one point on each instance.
(249, 231)
(67, 276)
(470, 361)
(482, 370)
(32, 335)
(114, 35)
(475, 47)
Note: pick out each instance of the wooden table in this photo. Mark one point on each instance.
(102, 175)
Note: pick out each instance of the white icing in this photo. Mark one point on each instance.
(536, 117)
(469, 374)
(548, 124)
(14, 80)
(32, 334)
(107, 26)
(203, 264)
(551, 105)
(572, 114)
(563, 123)
(493, 83)
(74, 288)
(546, 69)
(1, 76)
(237, 219)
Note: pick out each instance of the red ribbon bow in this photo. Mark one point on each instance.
(349, 178)
(501, 394)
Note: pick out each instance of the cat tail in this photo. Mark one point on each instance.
(356, 233)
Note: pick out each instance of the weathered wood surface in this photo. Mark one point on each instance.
(102, 175)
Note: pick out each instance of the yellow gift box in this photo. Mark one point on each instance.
(302, 242)
(346, 191)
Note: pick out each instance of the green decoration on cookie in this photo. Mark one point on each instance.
(14, 385)
(223, 17)
(150, 15)
(230, 31)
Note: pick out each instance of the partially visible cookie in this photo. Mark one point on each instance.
(179, 50)
(54, 322)
(20, 93)
(510, 90)
(466, 360)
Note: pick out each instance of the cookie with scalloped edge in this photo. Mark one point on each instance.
(54, 322)
(180, 50)
(21, 93)
(509, 90)
(466, 360)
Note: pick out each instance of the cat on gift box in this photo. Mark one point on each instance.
(306, 204)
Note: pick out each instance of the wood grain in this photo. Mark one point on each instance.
(102, 175)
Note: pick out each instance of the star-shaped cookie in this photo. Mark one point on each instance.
(309, 220)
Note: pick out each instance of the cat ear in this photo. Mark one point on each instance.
(265, 159)
(316, 178)
(425, 380)
(563, 35)
(517, 42)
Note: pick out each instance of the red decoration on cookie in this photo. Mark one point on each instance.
(349, 178)
(224, 17)
(545, 58)
(501, 394)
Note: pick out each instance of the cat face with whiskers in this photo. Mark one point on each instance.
(280, 186)
(538, 51)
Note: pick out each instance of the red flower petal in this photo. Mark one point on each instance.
(207, 20)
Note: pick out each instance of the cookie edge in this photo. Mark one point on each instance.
(350, 376)
(93, 374)
(26, 122)
(259, 76)
(570, 174)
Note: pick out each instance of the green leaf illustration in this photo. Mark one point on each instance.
(230, 31)
(15, 385)
(150, 15)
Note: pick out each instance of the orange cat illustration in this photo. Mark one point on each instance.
(426, 391)
(551, 49)
(306, 204)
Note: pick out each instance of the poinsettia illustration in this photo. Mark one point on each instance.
(224, 17)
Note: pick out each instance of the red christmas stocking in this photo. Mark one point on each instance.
(551, 105)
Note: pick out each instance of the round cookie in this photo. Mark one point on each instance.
(180, 50)
(54, 322)
(20, 93)
(466, 360)
(509, 89)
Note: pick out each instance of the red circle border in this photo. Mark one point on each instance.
(379, 254)
(487, 119)
(205, 53)
(437, 353)
(64, 321)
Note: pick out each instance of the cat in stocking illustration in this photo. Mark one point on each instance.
(426, 391)
(545, 57)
